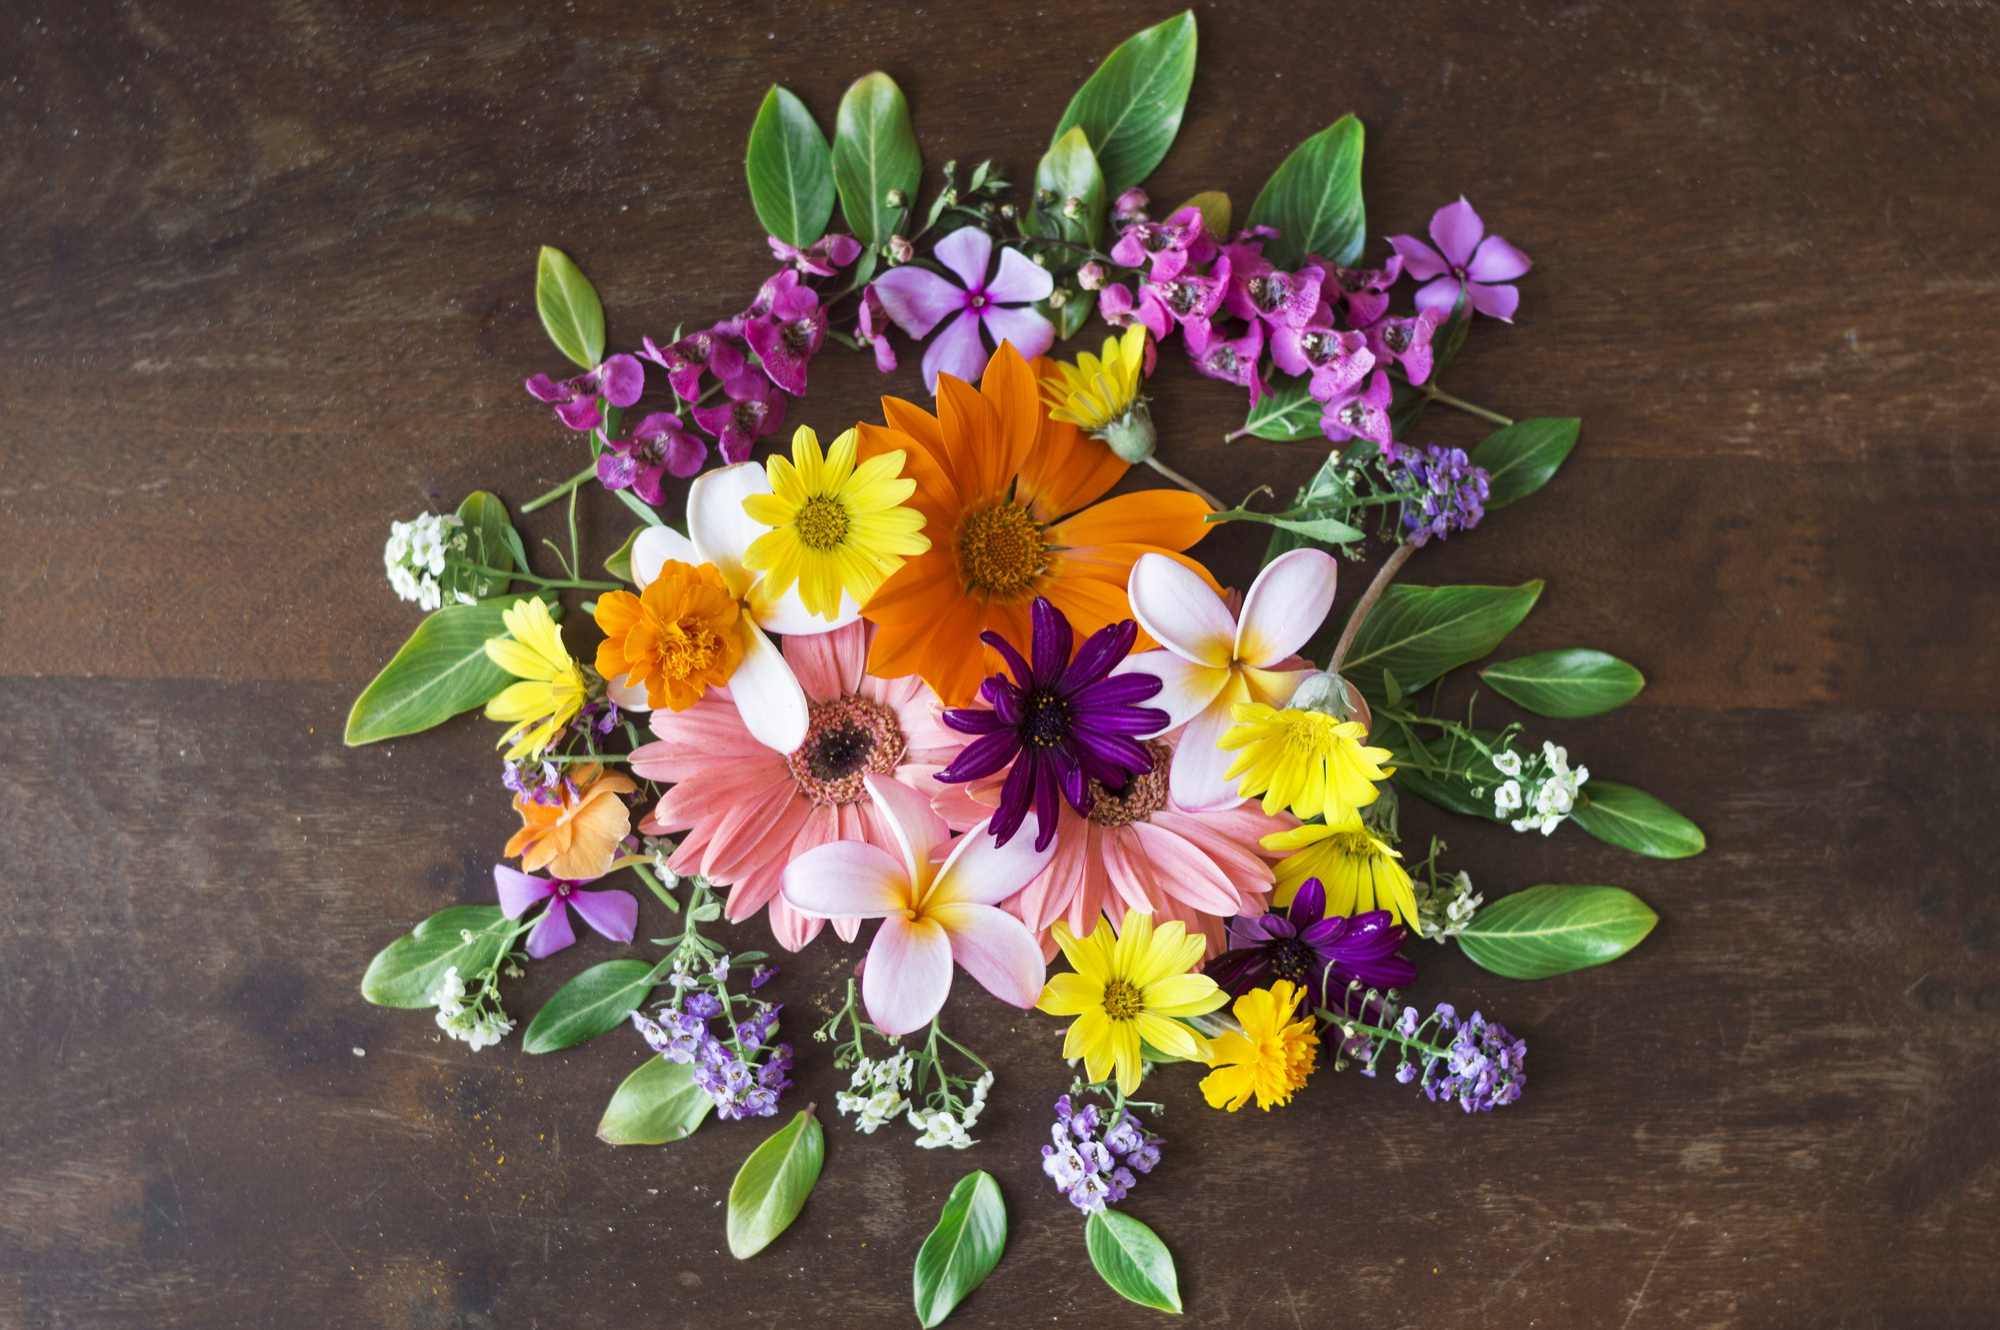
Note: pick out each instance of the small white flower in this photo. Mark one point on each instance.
(1507, 763)
(1507, 798)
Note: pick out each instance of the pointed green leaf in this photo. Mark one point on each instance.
(1576, 682)
(569, 308)
(1069, 170)
(1133, 1260)
(1636, 821)
(875, 151)
(790, 168)
(773, 1184)
(1520, 458)
(1070, 316)
(406, 972)
(1549, 930)
(1436, 771)
(1314, 199)
(441, 671)
(619, 565)
(1213, 205)
(588, 1005)
(963, 1249)
(489, 543)
(1422, 631)
(1328, 530)
(1287, 413)
(655, 1105)
(1131, 107)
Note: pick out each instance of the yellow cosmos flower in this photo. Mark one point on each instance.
(836, 526)
(1359, 871)
(1094, 393)
(1270, 1059)
(1307, 761)
(1126, 988)
(552, 689)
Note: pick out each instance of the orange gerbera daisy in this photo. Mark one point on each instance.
(1000, 486)
(677, 638)
(577, 838)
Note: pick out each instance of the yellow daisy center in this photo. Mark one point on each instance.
(1123, 1000)
(1001, 550)
(1358, 844)
(822, 523)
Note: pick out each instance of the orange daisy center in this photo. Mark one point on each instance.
(1001, 550)
(1144, 795)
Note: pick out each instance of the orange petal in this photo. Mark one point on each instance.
(1088, 603)
(1018, 414)
(911, 419)
(936, 497)
(953, 662)
(1168, 518)
(970, 430)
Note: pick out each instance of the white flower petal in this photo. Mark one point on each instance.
(1180, 611)
(768, 695)
(1286, 606)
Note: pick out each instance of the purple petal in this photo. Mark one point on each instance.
(580, 414)
(1119, 691)
(1237, 970)
(1015, 795)
(546, 389)
(1020, 280)
(974, 720)
(518, 890)
(614, 914)
(1497, 261)
(967, 252)
(1121, 720)
(1053, 640)
(1101, 652)
(1023, 675)
(1440, 294)
(917, 299)
(1309, 905)
(842, 249)
(1057, 778)
(1419, 260)
(982, 757)
(552, 932)
(685, 454)
(616, 470)
(621, 379)
(1495, 302)
(956, 351)
(1456, 228)
(1030, 333)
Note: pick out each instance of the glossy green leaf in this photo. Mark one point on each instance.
(1328, 530)
(619, 565)
(1575, 682)
(1287, 413)
(773, 1184)
(489, 543)
(1069, 170)
(1133, 1260)
(567, 302)
(595, 1001)
(1314, 199)
(1422, 631)
(1216, 214)
(875, 151)
(1131, 107)
(657, 1104)
(963, 1249)
(441, 671)
(790, 168)
(1444, 771)
(1549, 930)
(1520, 458)
(1636, 821)
(1070, 316)
(407, 971)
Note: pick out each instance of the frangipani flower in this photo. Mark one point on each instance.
(576, 838)
(932, 913)
(918, 300)
(1210, 660)
(614, 914)
(1307, 761)
(1128, 988)
(552, 688)
(1359, 870)
(1270, 1059)
(1468, 263)
(720, 534)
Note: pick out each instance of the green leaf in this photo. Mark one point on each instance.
(1286, 414)
(588, 1005)
(1330, 530)
(1520, 458)
(406, 972)
(489, 543)
(1133, 1260)
(1422, 631)
(1069, 170)
(441, 671)
(773, 1184)
(1213, 205)
(1131, 107)
(875, 151)
(657, 1104)
(963, 1249)
(1314, 199)
(641, 507)
(1576, 682)
(1636, 821)
(790, 169)
(619, 565)
(1549, 930)
(1444, 771)
(1070, 316)
(569, 308)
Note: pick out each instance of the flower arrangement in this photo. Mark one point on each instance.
(932, 680)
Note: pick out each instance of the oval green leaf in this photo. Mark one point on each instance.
(1549, 930)
(773, 1184)
(1520, 458)
(588, 1005)
(568, 304)
(1444, 771)
(441, 671)
(619, 564)
(1329, 530)
(1422, 631)
(790, 168)
(489, 543)
(1069, 170)
(1133, 1260)
(875, 151)
(1214, 207)
(1286, 414)
(963, 1249)
(1314, 199)
(1566, 684)
(655, 1105)
(1634, 820)
(406, 972)
(1131, 107)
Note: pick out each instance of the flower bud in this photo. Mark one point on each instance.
(898, 199)
(1131, 436)
(1058, 297)
(1007, 211)
(1092, 275)
(1131, 204)
(951, 167)
(1328, 694)
(901, 250)
(1072, 208)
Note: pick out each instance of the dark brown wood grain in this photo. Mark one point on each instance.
(268, 284)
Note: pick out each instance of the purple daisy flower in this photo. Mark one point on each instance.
(1063, 723)
(1321, 955)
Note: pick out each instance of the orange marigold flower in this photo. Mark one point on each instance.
(1009, 503)
(578, 838)
(677, 638)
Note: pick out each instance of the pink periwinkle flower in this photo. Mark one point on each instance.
(658, 444)
(1165, 249)
(1361, 415)
(823, 258)
(1407, 341)
(789, 333)
(713, 350)
(1001, 304)
(1467, 263)
(1337, 361)
(755, 407)
(1363, 291)
(1233, 360)
(612, 913)
(618, 381)
(872, 329)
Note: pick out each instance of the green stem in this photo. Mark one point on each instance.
(1390, 567)
(1437, 394)
(653, 883)
(569, 583)
(1186, 484)
(568, 486)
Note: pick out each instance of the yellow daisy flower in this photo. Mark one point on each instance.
(836, 526)
(1128, 988)
(1094, 393)
(1307, 761)
(552, 689)
(1359, 871)
(1270, 1059)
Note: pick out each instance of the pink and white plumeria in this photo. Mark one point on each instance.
(1003, 305)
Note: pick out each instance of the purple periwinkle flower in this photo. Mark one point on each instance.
(658, 444)
(1360, 414)
(1337, 361)
(1321, 955)
(756, 406)
(789, 333)
(713, 350)
(823, 258)
(1164, 249)
(1232, 361)
(618, 381)
(613, 913)
(1407, 341)
(1063, 723)
(1442, 491)
(1001, 304)
(1463, 262)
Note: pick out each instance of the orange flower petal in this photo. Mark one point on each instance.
(1018, 415)
(971, 430)
(952, 663)
(1168, 518)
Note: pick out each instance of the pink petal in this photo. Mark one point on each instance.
(1186, 689)
(551, 932)
(1019, 281)
(1285, 607)
(918, 830)
(983, 872)
(1180, 611)
(1419, 260)
(1184, 872)
(1440, 295)
(1196, 779)
(918, 299)
(813, 660)
(1497, 261)
(614, 914)
(908, 975)
(581, 414)
(1495, 302)
(1456, 228)
(956, 351)
(792, 929)
(519, 890)
(1125, 866)
(621, 380)
(996, 949)
(1024, 326)
(847, 879)
(967, 252)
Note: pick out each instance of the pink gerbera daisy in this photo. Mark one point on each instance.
(749, 811)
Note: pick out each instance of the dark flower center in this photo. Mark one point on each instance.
(1292, 959)
(1183, 298)
(1044, 719)
(1398, 336)
(1141, 796)
(797, 336)
(1123, 1000)
(1266, 293)
(1352, 281)
(847, 738)
(1223, 360)
(748, 415)
(822, 523)
(1319, 347)
(1157, 238)
(1354, 415)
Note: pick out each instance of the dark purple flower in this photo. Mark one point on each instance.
(1467, 263)
(613, 913)
(712, 350)
(823, 258)
(1321, 955)
(1442, 490)
(1360, 415)
(1233, 361)
(1258, 291)
(1063, 723)
(755, 407)
(789, 333)
(1337, 361)
(1363, 292)
(872, 329)
(1407, 341)
(618, 381)
(1166, 248)
(657, 444)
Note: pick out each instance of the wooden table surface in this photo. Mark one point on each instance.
(268, 284)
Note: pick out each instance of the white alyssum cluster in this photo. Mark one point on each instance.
(875, 1091)
(1445, 908)
(415, 554)
(1545, 797)
(471, 1024)
(940, 1126)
